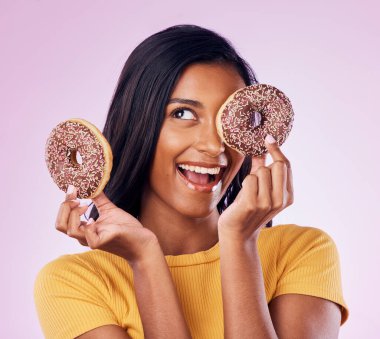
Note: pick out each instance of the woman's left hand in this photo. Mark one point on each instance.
(265, 192)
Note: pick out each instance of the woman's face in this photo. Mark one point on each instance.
(189, 143)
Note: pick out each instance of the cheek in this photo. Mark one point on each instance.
(172, 142)
(170, 145)
(236, 160)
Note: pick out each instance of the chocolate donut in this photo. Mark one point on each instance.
(88, 171)
(252, 112)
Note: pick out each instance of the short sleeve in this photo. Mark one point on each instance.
(70, 299)
(309, 264)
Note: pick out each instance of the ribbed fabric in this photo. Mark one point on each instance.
(79, 292)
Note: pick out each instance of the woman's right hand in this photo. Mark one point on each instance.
(115, 231)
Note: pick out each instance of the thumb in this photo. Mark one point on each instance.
(102, 202)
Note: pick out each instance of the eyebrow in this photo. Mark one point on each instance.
(194, 103)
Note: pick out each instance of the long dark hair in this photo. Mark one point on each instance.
(137, 108)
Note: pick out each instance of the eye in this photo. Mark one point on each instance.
(183, 113)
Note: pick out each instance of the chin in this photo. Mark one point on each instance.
(196, 210)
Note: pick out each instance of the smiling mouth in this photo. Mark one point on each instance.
(201, 182)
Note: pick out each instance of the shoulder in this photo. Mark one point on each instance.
(288, 247)
(63, 273)
(88, 271)
(291, 230)
(294, 246)
(90, 261)
(306, 261)
(78, 292)
(294, 236)
(87, 261)
(305, 247)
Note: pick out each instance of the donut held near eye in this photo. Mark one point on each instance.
(252, 112)
(77, 153)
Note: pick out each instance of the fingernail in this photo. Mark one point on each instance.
(70, 189)
(90, 221)
(269, 139)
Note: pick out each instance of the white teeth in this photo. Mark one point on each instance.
(202, 170)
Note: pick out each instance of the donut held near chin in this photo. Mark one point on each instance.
(252, 112)
(77, 154)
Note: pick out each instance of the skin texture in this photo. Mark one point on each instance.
(177, 220)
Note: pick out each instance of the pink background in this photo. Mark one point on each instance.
(61, 59)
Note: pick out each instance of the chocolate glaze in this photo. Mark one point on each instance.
(239, 123)
(64, 141)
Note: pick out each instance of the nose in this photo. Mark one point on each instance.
(208, 141)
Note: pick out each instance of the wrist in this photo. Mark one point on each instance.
(151, 254)
(230, 234)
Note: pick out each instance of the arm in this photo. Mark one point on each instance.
(246, 313)
(118, 232)
(304, 316)
(156, 296)
(157, 299)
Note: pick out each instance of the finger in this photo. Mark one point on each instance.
(258, 162)
(275, 151)
(247, 196)
(264, 201)
(91, 234)
(74, 221)
(289, 187)
(279, 182)
(289, 181)
(102, 202)
(63, 215)
(71, 193)
(82, 239)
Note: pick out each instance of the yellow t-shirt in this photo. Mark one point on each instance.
(79, 292)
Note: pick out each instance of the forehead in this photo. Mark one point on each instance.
(208, 80)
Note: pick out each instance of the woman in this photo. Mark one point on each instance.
(181, 254)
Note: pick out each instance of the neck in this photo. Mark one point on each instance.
(178, 233)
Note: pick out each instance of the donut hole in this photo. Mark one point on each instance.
(256, 118)
(78, 158)
(75, 157)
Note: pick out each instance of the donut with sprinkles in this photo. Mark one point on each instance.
(77, 153)
(252, 112)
